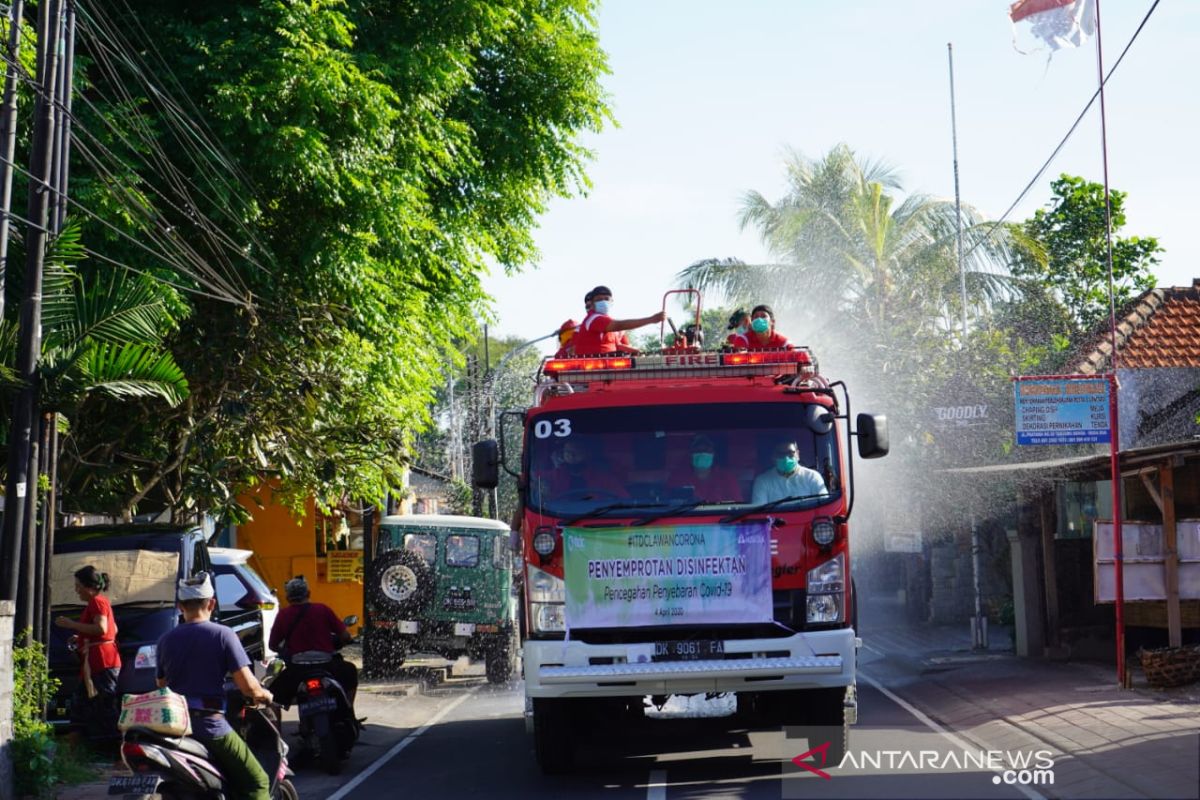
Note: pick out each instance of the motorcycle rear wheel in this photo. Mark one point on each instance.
(285, 791)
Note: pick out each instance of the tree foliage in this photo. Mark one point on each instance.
(345, 172)
(1069, 256)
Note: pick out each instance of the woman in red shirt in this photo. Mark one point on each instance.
(94, 705)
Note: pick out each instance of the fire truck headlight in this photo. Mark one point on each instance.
(824, 608)
(823, 532)
(544, 541)
(549, 618)
(544, 587)
(829, 577)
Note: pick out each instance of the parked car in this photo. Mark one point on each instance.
(244, 599)
(144, 564)
(442, 584)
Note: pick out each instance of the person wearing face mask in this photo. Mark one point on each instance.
(787, 477)
(762, 334)
(739, 330)
(709, 482)
(599, 333)
(576, 473)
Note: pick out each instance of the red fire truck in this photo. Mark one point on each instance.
(684, 529)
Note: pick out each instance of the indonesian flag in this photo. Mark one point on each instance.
(1058, 23)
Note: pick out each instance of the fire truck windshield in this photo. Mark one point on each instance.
(641, 459)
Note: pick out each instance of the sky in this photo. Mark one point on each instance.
(708, 97)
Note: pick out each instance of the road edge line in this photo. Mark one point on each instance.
(378, 763)
(956, 738)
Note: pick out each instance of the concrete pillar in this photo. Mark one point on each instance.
(7, 611)
(1029, 633)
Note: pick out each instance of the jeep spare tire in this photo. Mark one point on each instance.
(401, 583)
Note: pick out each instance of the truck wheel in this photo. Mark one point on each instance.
(553, 739)
(820, 715)
(385, 656)
(501, 658)
(401, 584)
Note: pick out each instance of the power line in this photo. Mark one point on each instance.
(1041, 171)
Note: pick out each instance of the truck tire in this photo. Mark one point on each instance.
(401, 584)
(820, 716)
(385, 656)
(553, 738)
(501, 660)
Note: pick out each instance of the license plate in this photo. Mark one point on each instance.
(691, 650)
(133, 784)
(317, 705)
(464, 628)
(458, 600)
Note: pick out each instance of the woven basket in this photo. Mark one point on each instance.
(1171, 666)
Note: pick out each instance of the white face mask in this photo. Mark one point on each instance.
(602, 306)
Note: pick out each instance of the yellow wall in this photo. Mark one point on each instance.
(285, 545)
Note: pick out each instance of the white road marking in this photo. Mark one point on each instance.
(929, 723)
(396, 748)
(656, 788)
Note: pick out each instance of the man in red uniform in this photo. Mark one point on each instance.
(305, 626)
(709, 482)
(762, 335)
(566, 332)
(599, 333)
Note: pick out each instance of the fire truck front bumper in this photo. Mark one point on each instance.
(818, 659)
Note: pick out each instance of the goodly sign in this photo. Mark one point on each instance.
(667, 575)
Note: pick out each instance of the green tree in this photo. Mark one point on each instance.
(344, 172)
(1069, 256)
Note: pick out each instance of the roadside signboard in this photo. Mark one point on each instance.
(667, 575)
(1062, 411)
(344, 566)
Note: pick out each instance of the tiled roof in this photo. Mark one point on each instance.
(1159, 329)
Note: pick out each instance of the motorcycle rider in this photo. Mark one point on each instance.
(306, 626)
(193, 660)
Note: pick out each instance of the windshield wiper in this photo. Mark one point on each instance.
(595, 512)
(669, 513)
(758, 509)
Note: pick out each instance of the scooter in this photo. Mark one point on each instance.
(328, 727)
(180, 767)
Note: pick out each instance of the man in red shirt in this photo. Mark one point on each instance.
(600, 334)
(762, 334)
(305, 626)
(709, 482)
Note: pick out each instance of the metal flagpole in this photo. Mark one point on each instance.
(979, 637)
(1114, 384)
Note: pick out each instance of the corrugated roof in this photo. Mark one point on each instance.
(1159, 329)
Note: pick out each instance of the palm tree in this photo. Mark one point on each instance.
(845, 251)
(103, 336)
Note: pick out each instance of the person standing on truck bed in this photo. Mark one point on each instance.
(709, 482)
(600, 334)
(787, 478)
(739, 330)
(566, 332)
(762, 334)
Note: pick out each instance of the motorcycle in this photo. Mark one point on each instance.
(180, 767)
(328, 727)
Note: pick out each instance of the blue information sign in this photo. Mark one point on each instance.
(1062, 411)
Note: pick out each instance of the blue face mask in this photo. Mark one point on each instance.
(602, 306)
(702, 460)
(786, 465)
(741, 329)
(760, 324)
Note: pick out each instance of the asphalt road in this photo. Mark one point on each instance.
(464, 738)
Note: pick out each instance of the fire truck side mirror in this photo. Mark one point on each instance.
(485, 464)
(872, 435)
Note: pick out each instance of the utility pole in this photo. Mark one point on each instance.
(8, 134)
(22, 474)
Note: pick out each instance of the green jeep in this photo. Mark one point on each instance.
(442, 585)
